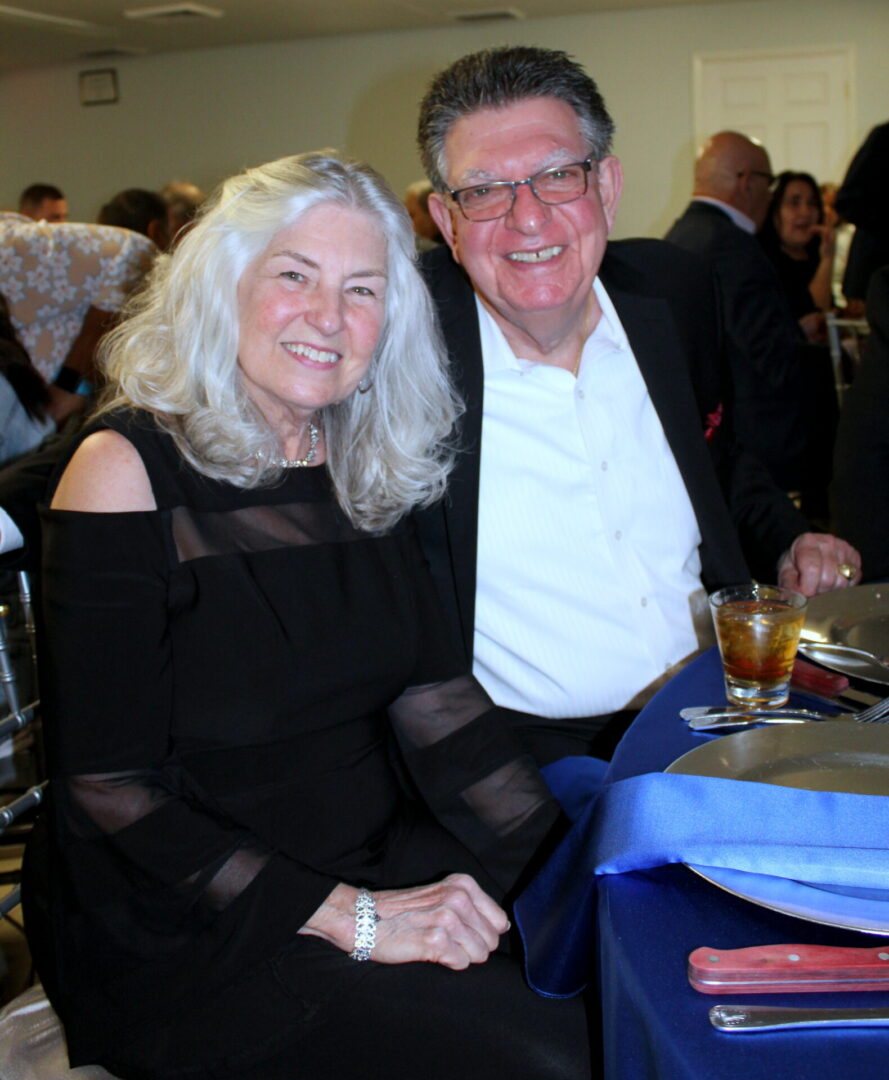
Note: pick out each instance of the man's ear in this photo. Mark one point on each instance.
(444, 219)
(611, 183)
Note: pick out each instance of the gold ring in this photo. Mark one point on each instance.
(846, 570)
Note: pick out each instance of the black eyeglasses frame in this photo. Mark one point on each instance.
(514, 185)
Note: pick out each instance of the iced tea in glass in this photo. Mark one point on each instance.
(758, 629)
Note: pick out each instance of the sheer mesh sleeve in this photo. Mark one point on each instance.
(473, 775)
(141, 843)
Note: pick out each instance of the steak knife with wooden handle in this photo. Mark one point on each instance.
(789, 969)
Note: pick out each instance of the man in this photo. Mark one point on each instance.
(584, 519)
(860, 493)
(183, 200)
(861, 199)
(770, 362)
(43, 202)
(141, 211)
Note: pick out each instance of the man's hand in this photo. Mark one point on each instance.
(816, 563)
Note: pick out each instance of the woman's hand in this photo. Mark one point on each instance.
(452, 922)
(814, 326)
(828, 240)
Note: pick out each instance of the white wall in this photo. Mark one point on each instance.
(203, 115)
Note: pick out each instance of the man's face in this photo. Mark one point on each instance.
(538, 260)
(54, 210)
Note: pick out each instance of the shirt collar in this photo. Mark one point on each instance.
(741, 220)
(498, 355)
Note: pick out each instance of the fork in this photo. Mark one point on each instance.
(874, 714)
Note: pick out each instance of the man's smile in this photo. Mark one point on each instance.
(542, 255)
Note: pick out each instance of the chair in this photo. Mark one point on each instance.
(21, 774)
(32, 1043)
(844, 337)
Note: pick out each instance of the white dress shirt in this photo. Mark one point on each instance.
(588, 568)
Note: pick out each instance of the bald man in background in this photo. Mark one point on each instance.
(773, 367)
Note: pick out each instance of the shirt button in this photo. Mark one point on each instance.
(644, 601)
(618, 535)
(604, 466)
(581, 394)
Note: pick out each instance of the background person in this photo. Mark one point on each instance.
(785, 407)
(861, 200)
(44, 202)
(183, 199)
(25, 419)
(142, 211)
(801, 247)
(226, 787)
(416, 202)
(860, 492)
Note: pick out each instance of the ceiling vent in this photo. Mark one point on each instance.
(174, 13)
(491, 15)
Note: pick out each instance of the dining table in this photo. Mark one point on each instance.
(647, 922)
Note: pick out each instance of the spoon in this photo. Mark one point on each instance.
(846, 658)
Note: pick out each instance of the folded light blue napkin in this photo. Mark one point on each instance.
(645, 821)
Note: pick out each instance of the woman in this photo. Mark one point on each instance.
(24, 396)
(801, 247)
(235, 821)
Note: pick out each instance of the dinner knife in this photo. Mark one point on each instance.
(704, 712)
(789, 969)
(747, 720)
(749, 1019)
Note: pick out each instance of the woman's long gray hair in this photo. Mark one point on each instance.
(176, 352)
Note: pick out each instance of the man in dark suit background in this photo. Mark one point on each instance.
(860, 494)
(779, 380)
(586, 517)
(863, 199)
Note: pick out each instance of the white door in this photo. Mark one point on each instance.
(798, 103)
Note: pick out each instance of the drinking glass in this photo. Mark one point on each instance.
(758, 629)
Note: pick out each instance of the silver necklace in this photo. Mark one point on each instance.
(300, 463)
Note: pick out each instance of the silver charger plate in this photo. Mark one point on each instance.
(858, 617)
(813, 757)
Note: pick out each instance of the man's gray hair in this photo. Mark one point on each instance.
(497, 77)
(176, 354)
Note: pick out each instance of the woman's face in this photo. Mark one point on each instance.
(797, 214)
(310, 311)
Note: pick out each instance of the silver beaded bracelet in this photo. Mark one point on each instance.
(366, 920)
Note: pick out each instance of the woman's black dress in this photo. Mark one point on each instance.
(229, 737)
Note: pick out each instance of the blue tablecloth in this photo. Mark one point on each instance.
(655, 1024)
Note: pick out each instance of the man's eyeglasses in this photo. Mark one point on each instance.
(561, 184)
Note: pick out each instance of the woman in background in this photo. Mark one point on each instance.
(801, 246)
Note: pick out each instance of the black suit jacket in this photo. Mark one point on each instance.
(764, 341)
(860, 492)
(861, 199)
(667, 306)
